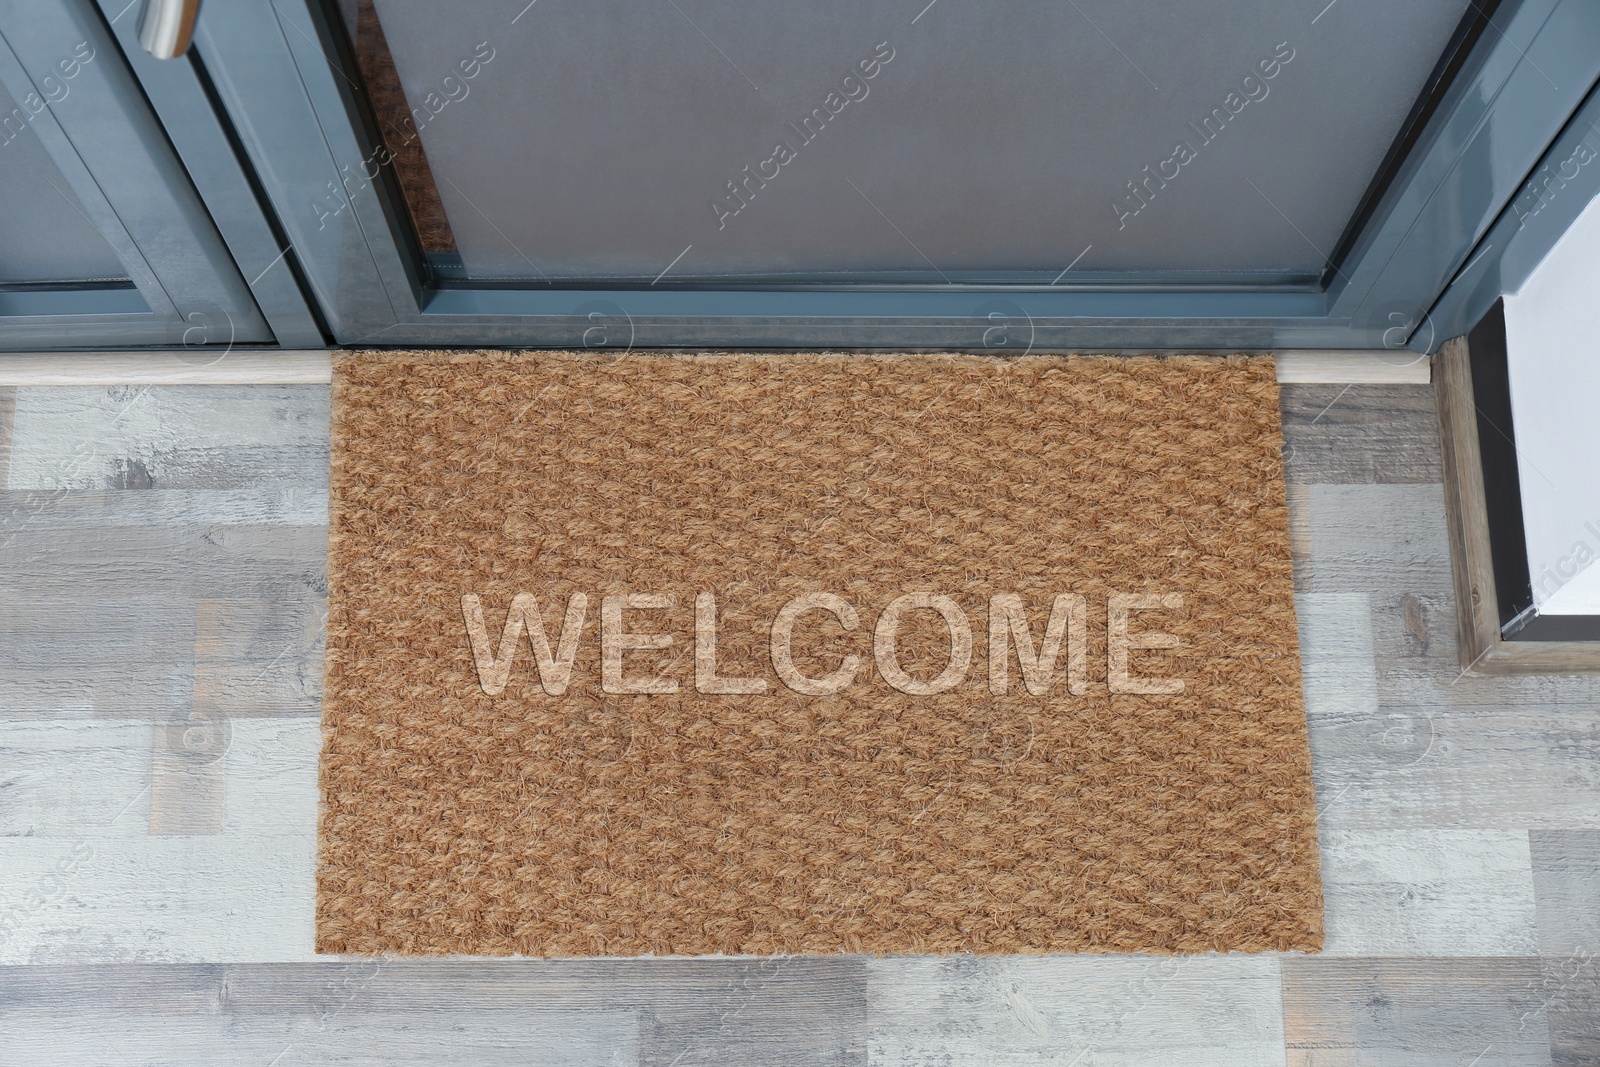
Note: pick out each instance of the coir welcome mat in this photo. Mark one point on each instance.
(811, 653)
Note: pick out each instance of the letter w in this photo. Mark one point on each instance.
(1008, 619)
(494, 668)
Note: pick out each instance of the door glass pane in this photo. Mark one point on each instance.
(44, 233)
(1226, 141)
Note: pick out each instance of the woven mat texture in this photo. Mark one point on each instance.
(870, 820)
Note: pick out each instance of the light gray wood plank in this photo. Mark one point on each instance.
(389, 983)
(236, 367)
(1417, 746)
(1427, 893)
(1383, 760)
(71, 779)
(1298, 499)
(1413, 1013)
(809, 1012)
(272, 777)
(189, 775)
(766, 1013)
(1361, 751)
(1338, 668)
(64, 778)
(138, 690)
(99, 509)
(1442, 685)
(197, 560)
(1566, 882)
(158, 899)
(1359, 434)
(1570, 1004)
(8, 411)
(531, 1036)
(1416, 642)
(1407, 740)
(1377, 538)
(1202, 1011)
(1469, 767)
(170, 437)
(258, 657)
(1566, 878)
(164, 654)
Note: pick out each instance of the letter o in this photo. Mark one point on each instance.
(783, 637)
(955, 620)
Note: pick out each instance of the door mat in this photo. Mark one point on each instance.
(681, 654)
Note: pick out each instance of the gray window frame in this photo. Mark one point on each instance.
(115, 157)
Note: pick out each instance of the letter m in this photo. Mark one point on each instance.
(1008, 621)
(494, 667)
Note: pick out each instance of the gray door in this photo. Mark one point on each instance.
(876, 173)
(103, 241)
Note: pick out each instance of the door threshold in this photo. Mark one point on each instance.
(315, 367)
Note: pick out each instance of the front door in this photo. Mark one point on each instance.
(1244, 173)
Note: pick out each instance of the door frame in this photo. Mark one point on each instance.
(1498, 629)
(111, 151)
(283, 68)
(180, 94)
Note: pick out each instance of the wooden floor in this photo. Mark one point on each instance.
(162, 588)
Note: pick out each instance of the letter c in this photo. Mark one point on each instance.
(783, 637)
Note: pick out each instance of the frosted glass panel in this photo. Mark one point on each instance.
(854, 139)
(44, 235)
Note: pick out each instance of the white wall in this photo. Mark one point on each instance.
(1553, 342)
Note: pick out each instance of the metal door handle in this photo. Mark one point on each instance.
(165, 26)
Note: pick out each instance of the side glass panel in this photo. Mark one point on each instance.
(850, 141)
(104, 240)
(45, 236)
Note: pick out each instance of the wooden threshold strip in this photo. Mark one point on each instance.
(313, 367)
